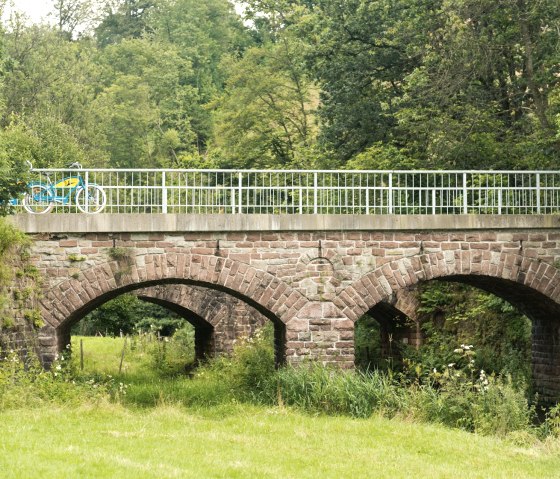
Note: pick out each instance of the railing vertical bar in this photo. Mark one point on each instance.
(240, 192)
(86, 191)
(465, 193)
(163, 193)
(390, 195)
(538, 191)
(315, 186)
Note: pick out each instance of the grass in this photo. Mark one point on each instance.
(145, 386)
(181, 428)
(240, 441)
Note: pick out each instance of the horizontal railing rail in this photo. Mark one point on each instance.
(308, 191)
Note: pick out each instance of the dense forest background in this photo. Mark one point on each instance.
(284, 83)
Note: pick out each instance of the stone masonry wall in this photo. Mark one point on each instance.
(315, 284)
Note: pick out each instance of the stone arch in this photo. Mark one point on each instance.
(226, 318)
(71, 299)
(531, 285)
(504, 274)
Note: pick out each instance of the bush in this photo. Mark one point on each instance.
(25, 383)
(173, 356)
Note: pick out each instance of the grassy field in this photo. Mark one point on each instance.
(248, 442)
(155, 433)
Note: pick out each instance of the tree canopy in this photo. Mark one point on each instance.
(284, 83)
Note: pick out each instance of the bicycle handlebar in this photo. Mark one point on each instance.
(71, 165)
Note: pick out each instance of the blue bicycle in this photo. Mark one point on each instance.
(41, 196)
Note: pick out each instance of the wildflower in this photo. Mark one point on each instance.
(450, 365)
(58, 367)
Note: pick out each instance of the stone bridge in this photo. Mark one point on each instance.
(312, 276)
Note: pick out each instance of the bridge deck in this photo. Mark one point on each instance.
(142, 223)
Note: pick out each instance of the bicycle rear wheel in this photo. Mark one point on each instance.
(96, 199)
(38, 200)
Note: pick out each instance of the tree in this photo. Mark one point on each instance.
(123, 19)
(458, 84)
(71, 14)
(147, 104)
(49, 85)
(202, 34)
(265, 116)
(16, 146)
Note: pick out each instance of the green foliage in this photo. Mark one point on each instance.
(127, 314)
(265, 115)
(248, 371)
(33, 316)
(119, 253)
(458, 84)
(76, 258)
(452, 314)
(19, 281)
(25, 383)
(172, 356)
(293, 83)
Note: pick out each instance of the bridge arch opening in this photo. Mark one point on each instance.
(220, 317)
(385, 330)
(534, 295)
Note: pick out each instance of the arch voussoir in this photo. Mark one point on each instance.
(68, 298)
(358, 298)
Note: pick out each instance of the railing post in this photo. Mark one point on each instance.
(232, 197)
(315, 186)
(434, 201)
(367, 200)
(163, 193)
(240, 192)
(465, 192)
(500, 201)
(390, 194)
(86, 191)
(538, 180)
(300, 201)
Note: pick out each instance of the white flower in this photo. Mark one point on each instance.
(450, 365)
(58, 367)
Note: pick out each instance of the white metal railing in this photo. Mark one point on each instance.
(316, 192)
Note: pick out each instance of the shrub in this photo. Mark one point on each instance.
(25, 383)
(172, 356)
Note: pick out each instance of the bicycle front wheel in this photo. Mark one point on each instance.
(38, 200)
(96, 199)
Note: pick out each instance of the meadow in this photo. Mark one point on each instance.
(148, 422)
